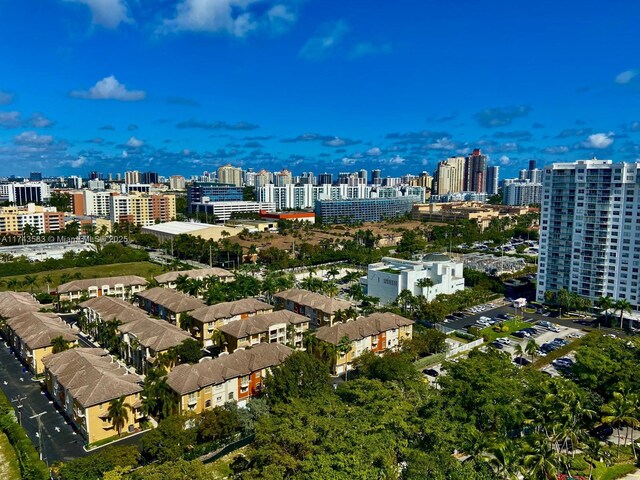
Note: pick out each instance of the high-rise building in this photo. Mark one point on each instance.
(325, 179)
(24, 193)
(95, 184)
(343, 178)
(283, 178)
(532, 164)
(589, 242)
(149, 177)
(177, 182)
(35, 177)
(307, 178)
(132, 176)
(142, 209)
(521, 192)
(475, 178)
(262, 178)
(230, 175)
(450, 175)
(376, 177)
(493, 173)
(95, 176)
(40, 219)
(363, 174)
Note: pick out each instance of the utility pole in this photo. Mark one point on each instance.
(210, 262)
(19, 400)
(37, 416)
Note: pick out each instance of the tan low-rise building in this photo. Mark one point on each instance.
(229, 378)
(378, 333)
(83, 381)
(31, 336)
(169, 279)
(481, 213)
(206, 320)
(169, 305)
(320, 309)
(13, 304)
(122, 287)
(283, 327)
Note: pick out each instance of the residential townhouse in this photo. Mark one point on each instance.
(13, 304)
(123, 287)
(143, 338)
(378, 333)
(169, 279)
(31, 337)
(320, 309)
(207, 319)
(169, 305)
(283, 327)
(83, 381)
(235, 377)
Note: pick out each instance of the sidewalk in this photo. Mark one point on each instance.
(632, 476)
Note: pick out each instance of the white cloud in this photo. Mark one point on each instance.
(32, 138)
(108, 13)
(374, 152)
(504, 160)
(134, 142)
(599, 140)
(626, 76)
(10, 119)
(78, 162)
(348, 161)
(397, 160)
(109, 88)
(38, 120)
(329, 38)
(335, 142)
(233, 17)
(6, 98)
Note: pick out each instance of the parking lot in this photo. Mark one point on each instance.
(59, 441)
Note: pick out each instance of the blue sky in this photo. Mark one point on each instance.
(185, 86)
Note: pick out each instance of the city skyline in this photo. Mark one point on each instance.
(191, 85)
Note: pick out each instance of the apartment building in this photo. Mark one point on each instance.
(236, 377)
(31, 337)
(320, 309)
(25, 193)
(142, 209)
(169, 279)
(386, 279)
(13, 220)
(123, 287)
(521, 192)
(378, 333)
(283, 326)
(230, 175)
(169, 305)
(364, 210)
(177, 182)
(223, 211)
(207, 319)
(449, 176)
(589, 242)
(83, 381)
(91, 203)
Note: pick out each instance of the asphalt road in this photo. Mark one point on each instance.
(59, 441)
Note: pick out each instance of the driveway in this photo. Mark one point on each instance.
(59, 441)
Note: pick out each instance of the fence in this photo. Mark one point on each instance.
(463, 347)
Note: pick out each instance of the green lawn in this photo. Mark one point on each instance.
(602, 472)
(489, 334)
(142, 269)
(9, 468)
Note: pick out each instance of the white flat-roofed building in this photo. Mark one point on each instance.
(391, 276)
(167, 231)
(222, 211)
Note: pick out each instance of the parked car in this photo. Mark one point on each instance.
(530, 331)
(521, 334)
(503, 340)
(561, 341)
(496, 344)
(521, 361)
(602, 432)
(503, 316)
(431, 372)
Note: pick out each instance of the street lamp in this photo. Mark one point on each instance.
(37, 416)
(18, 400)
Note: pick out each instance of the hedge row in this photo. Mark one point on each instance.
(31, 467)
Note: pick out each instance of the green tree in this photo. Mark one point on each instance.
(425, 283)
(169, 441)
(622, 306)
(620, 412)
(59, 344)
(217, 424)
(178, 469)
(531, 348)
(299, 376)
(189, 351)
(97, 464)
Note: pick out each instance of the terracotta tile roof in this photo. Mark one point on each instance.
(157, 335)
(83, 285)
(197, 273)
(91, 375)
(363, 327)
(112, 308)
(184, 378)
(229, 309)
(172, 300)
(261, 323)
(16, 303)
(314, 300)
(38, 329)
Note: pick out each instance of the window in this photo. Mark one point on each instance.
(230, 396)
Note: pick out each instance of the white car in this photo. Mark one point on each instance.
(503, 340)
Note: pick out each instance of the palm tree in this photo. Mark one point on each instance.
(605, 304)
(118, 413)
(182, 283)
(518, 350)
(13, 284)
(343, 348)
(622, 305)
(30, 281)
(48, 279)
(218, 339)
(620, 412)
(476, 445)
(59, 344)
(531, 348)
(332, 291)
(310, 341)
(542, 461)
(425, 283)
(332, 273)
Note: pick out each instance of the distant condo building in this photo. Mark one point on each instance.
(223, 211)
(364, 209)
(132, 176)
(141, 209)
(589, 242)
(493, 174)
(450, 176)
(24, 193)
(521, 192)
(177, 182)
(475, 178)
(230, 175)
(213, 192)
(40, 219)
